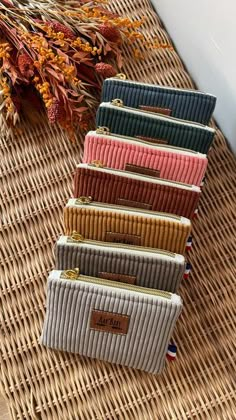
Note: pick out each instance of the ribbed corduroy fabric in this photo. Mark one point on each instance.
(169, 234)
(185, 104)
(67, 323)
(133, 123)
(115, 154)
(156, 271)
(110, 188)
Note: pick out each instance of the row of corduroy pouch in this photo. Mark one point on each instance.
(112, 295)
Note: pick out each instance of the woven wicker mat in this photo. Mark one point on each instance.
(36, 181)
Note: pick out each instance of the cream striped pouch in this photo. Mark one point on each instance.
(115, 322)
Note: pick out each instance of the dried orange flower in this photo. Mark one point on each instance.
(5, 49)
(156, 44)
(138, 54)
(44, 90)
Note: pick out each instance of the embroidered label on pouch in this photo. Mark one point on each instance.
(156, 109)
(136, 204)
(123, 278)
(143, 170)
(152, 140)
(122, 238)
(109, 322)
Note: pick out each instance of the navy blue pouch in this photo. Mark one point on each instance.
(190, 105)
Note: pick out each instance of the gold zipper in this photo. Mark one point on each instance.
(99, 164)
(75, 275)
(77, 237)
(106, 132)
(118, 102)
(89, 200)
(122, 76)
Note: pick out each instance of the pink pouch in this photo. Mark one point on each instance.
(173, 163)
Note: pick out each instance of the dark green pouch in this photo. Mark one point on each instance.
(153, 127)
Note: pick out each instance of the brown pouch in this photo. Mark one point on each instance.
(135, 190)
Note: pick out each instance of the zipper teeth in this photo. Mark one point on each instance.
(115, 245)
(133, 209)
(161, 87)
(119, 285)
(150, 144)
(142, 175)
(161, 115)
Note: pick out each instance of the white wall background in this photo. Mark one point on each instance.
(204, 33)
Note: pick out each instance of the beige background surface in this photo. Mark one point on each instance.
(4, 414)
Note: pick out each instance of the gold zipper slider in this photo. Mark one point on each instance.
(120, 76)
(77, 236)
(97, 163)
(71, 274)
(103, 130)
(84, 200)
(117, 102)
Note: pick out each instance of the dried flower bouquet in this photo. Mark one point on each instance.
(54, 54)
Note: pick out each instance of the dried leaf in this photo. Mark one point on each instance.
(93, 38)
(58, 76)
(63, 90)
(62, 54)
(81, 109)
(106, 49)
(80, 55)
(100, 40)
(44, 43)
(73, 93)
(56, 94)
(10, 34)
(64, 47)
(119, 59)
(12, 72)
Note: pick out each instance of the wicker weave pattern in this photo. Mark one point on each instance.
(40, 384)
